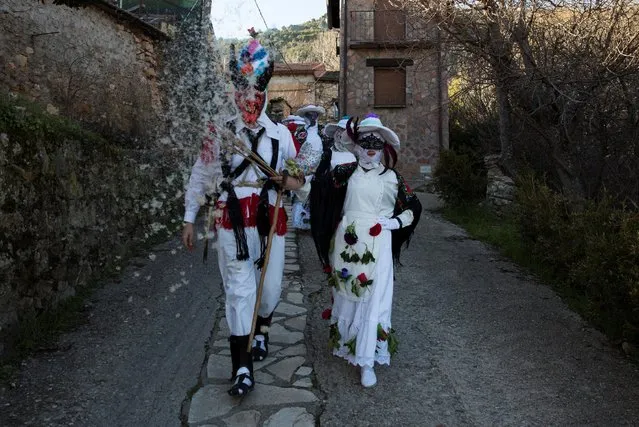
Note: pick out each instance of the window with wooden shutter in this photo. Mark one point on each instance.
(390, 87)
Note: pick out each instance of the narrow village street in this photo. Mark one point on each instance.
(481, 343)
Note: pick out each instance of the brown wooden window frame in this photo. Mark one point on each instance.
(400, 102)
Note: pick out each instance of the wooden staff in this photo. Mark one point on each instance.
(267, 255)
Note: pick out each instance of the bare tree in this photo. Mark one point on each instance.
(565, 79)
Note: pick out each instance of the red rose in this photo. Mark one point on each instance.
(326, 314)
(362, 278)
(328, 269)
(375, 230)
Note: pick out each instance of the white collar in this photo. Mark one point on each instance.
(270, 128)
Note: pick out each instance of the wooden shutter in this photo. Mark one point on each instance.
(390, 87)
(390, 22)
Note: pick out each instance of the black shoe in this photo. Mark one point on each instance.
(242, 377)
(243, 384)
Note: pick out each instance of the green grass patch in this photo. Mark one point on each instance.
(503, 232)
(484, 225)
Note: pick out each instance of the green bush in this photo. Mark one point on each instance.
(592, 250)
(458, 179)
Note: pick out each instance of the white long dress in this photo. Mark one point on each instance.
(363, 291)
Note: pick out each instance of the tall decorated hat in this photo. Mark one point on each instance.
(331, 128)
(252, 67)
(372, 123)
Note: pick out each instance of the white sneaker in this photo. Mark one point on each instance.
(369, 379)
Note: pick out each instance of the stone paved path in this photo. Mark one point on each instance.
(284, 394)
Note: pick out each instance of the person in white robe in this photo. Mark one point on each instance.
(245, 207)
(311, 153)
(374, 213)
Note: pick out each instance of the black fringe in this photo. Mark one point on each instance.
(405, 200)
(237, 221)
(263, 223)
(326, 202)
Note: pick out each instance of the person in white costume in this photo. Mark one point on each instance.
(311, 150)
(340, 152)
(365, 212)
(245, 209)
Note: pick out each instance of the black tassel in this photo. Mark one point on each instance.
(237, 221)
(326, 203)
(263, 222)
(402, 236)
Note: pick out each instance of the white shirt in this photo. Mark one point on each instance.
(202, 174)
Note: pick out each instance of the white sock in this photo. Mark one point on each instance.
(258, 341)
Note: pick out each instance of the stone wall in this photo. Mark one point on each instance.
(84, 62)
(500, 188)
(417, 124)
(326, 93)
(297, 90)
(303, 89)
(73, 206)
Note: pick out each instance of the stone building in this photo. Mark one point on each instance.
(392, 64)
(296, 84)
(75, 205)
(90, 61)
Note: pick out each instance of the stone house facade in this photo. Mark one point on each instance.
(95, 62)
(296, 84)
(393, 65)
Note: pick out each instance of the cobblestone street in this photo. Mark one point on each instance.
(284, 393)
(481, 343)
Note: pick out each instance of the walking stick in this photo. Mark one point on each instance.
(267, 254)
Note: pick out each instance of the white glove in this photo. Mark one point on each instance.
(388, 223)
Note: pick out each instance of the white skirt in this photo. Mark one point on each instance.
(358, 320)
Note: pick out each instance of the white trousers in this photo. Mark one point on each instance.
(241, 278)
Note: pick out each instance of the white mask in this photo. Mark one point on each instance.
(366, 161)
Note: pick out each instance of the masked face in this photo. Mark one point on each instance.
(250, 104)
(368, 158)
(311, 118)
(341, 141)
